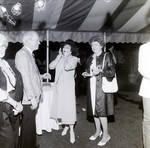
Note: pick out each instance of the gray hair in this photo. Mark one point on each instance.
(28, 36)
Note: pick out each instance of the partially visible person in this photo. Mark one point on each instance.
(11, 90)
(100, 105)
(112, 53)
(144, 92)
(64, 101)
(78, 76)
(32, 81)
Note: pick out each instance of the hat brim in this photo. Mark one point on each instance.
(74, 47)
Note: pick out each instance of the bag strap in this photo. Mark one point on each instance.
(104, 60)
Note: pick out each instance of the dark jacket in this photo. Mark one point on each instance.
(104, 102)
(16, 95)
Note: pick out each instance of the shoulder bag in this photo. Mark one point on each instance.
(109, 86)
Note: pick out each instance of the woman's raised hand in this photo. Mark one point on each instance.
(60, 53)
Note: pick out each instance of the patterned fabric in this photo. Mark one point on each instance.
(9, 74)
(66, 19)
(26, 65)
(19, 84)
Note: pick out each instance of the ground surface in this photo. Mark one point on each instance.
(125, 128)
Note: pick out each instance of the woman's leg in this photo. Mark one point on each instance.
(97, 126)
(64, 132)
(98, 131)
(72, 135)
(104, 123)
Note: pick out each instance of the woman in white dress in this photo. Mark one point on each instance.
(64, 103)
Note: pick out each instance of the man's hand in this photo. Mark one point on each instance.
(34, 104)
(45, 76)
(18, 108)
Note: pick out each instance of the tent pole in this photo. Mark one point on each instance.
(47, 53)
(105, 40)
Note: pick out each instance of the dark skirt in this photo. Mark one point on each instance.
(104, 103)
(9, 129)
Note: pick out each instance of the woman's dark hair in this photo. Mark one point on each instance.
(98, 39)
(74, 47)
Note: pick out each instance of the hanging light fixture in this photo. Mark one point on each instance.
(3, 11)
(11, 20)
(17, 9)
(4, 14)
(107, 1)
(40, 5)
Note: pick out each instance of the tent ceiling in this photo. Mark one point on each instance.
(122, 20)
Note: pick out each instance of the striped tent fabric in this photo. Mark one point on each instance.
(122, 21)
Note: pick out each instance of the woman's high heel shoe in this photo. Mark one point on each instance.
(103, 143)
(72, 137)
(64, 132)
(93, 138)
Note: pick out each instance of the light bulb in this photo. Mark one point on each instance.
(16, 9)
(3, 9)
(40, 3)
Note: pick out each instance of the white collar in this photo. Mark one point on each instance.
(29, 49)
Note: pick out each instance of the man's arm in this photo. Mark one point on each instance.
(144, 62)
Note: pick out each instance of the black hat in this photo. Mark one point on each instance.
(74, 47)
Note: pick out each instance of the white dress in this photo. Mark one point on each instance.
(64, 101)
